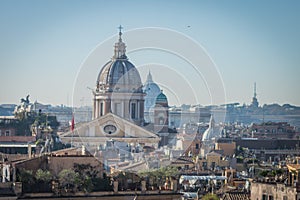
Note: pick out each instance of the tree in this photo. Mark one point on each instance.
(210, 197)
(26, 176)
(263, 173)
(158, 177)
(43, 176)
(87, 175)
(69, 180)
(83, 178)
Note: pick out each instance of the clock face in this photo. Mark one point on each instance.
(110, 129)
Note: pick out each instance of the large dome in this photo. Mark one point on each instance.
(119, 75)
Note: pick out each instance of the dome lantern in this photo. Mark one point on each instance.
(120, 47)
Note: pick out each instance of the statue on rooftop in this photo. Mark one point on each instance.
(24, 106)
(25, 101)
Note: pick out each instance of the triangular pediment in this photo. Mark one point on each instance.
(110, 126)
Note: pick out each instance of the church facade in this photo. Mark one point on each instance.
(118, 110)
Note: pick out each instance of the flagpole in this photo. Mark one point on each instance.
(72, 139)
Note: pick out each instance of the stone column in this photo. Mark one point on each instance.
(107, 106)
(14, 171)
(94, 108)
(138, 110)
(98, 108)
(127, 109)
(5, 173)
(122, 109)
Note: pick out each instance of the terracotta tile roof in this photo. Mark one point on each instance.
(293, 166)
(17, 139)
(236, 196)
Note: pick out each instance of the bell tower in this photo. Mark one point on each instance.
(254, 99)
(161, 119)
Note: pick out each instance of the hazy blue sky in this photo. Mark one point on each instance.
(44, 43)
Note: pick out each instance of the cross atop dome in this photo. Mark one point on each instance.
(120, 29)
(120, 33)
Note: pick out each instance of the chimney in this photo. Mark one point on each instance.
(83, 150)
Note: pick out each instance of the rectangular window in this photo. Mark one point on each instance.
(133, 111)
(197, 146)
(0, 133)
(7, 132)
(285, 198)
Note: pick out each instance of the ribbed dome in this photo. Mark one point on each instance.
(119, 74)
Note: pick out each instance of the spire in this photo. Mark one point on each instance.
(149, 77)
(254, 99)
(120, 47)
(254, 90)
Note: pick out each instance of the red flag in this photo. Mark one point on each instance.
(72, 123)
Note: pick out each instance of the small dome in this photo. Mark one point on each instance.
(161, 98)
(151, 90)
(211, 132)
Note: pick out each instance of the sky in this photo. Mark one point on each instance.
(45, 46)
